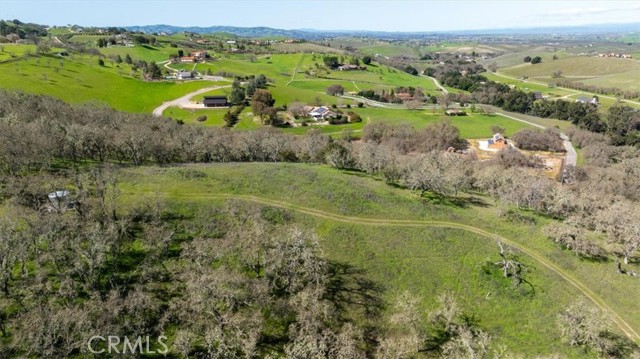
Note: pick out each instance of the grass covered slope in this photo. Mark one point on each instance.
(81, 79)
(575, 66)
(360, 223)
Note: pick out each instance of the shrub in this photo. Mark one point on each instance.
(335, 90)
(536, 140)
(354, 117)
(202, 118)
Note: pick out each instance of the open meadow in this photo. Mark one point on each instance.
(354, 216)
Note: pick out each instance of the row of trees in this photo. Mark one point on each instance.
(37, 131)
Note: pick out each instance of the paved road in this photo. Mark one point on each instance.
(184, 101)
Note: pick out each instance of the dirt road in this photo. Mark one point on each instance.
(184, 101)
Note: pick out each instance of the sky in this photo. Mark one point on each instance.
(377, 15)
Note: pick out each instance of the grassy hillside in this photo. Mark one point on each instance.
(353, 215)
(80, 79)
(145, 52)
(627, 80)
(575, 66)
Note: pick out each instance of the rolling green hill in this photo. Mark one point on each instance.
(79, 79)
(404, 242)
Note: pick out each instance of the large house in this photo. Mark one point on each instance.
(215, 101)
(321, 113)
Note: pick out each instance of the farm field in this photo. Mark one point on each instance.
(547, 91)
(629, 80)
(511, 59)
(575, 66)
(305, 47)
(418, 258)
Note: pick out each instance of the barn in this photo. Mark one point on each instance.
(215, 101)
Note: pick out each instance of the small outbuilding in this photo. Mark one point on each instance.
(455, 112)
(215, 101)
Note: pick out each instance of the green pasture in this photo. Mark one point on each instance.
(15, 51)
(474, 125)
(575, 66)
(142, 52)
(215, 117)
(80, 79)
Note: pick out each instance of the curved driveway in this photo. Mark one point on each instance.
(184, 101)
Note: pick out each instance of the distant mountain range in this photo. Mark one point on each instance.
(316, 34)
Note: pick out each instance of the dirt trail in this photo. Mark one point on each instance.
(617, 319)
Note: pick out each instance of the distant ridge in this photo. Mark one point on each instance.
(316, 34)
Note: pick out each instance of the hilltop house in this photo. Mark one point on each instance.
(215, 101)
(593, 100)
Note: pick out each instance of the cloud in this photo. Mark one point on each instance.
(580, 11)
(588, 11)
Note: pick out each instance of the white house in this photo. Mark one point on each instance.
(321, 113)
(593, 100)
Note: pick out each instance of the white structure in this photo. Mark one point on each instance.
(183, 75)
(59, 199)
(593, 100)
(321, 113)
